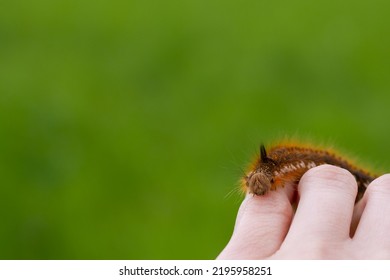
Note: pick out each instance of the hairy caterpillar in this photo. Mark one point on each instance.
(287, 163)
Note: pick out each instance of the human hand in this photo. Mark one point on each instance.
(326, 225)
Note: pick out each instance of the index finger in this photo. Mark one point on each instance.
(261, 225)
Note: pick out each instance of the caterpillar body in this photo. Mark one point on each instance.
(287, 163)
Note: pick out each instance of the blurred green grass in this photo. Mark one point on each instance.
(124, 124)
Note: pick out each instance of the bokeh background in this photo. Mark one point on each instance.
(124, 125)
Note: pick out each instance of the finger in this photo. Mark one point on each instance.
(374, 227)
(327, 196)
(261, 226)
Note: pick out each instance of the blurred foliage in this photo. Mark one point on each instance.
(124, 125)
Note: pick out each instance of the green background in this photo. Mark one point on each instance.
(124, 125)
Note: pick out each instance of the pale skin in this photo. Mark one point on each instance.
(326, 224)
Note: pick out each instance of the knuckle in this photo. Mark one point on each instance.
(380, 186)
(330, 177)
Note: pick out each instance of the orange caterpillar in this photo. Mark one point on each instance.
(287, 163)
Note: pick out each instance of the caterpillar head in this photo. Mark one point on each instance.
(259, 180)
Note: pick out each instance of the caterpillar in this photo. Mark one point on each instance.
(283, 164)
